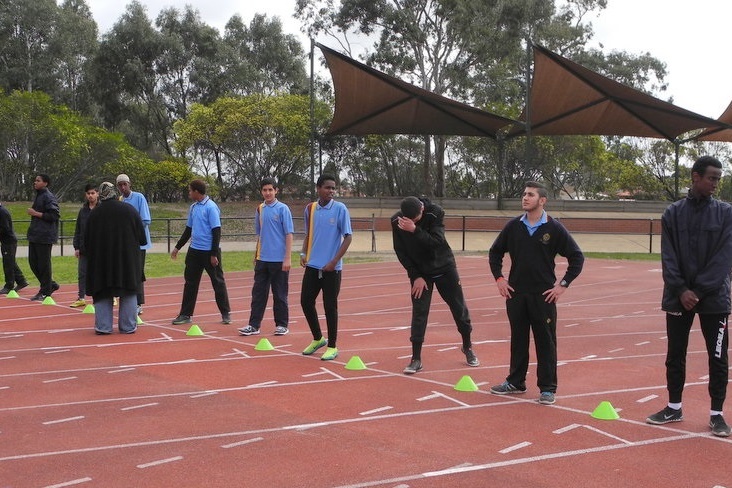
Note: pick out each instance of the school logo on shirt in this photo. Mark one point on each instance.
(546, 238)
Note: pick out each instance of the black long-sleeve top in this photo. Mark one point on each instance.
(425, 252)
(533, 256)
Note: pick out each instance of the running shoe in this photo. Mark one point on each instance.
(719, 426)
(506, 388)
(665, 416)
(281, 330)
(470, 357)
(413, 367)
(546, 398)
(248, 330)
(78, 303)
(314, 346)
(330, 354)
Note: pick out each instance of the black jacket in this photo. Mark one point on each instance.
(696, 254)
(7, 234)
(81, 221)
(533, 257)
(44, 229)
(424, 253)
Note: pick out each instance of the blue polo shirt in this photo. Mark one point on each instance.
(272, 223)
(532, 228)
(138, 201)
(330, 225)
(203, 217)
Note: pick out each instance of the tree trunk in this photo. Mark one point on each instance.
(440, 145)
(427, 168)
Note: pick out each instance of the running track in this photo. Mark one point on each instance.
(160, 408)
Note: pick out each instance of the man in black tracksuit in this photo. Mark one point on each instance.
(418, 232)
(696, 257)
(42, 235)
(532, 291)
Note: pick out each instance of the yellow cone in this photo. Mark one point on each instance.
(264, 345)
(605, 411)
(89, 309)
(13, 294)
(193, 331)
(466, 383)
(355, 364)
(48, 301)
(139, 321)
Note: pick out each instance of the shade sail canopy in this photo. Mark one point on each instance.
(569, 99)
(722, 134)
(368, 101)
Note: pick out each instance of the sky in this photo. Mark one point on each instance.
(689, 36)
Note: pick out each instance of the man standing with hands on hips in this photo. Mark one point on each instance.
(532, 290)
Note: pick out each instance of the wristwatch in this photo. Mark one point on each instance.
(563, 283)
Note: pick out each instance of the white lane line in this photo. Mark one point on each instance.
(241, 443)
(8, 357)
(515, 447)
(134, 407)
(56, 351)
(646, 398)
(363, 334)
(616, 350)
(125, 370)
(376, 410)
(159, 462)
(642, 343)
(264, 383)
(70, 483)
(60, 421)
(62, 379)
(205, 394)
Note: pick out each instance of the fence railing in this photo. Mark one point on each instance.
(461, 228)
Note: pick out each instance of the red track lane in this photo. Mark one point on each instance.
(159, 408)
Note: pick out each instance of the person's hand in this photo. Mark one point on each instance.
(552, 294)
(689, 300)
(504, 289)
(406, 224)
(174, 253)
(418, 287)
(214, 261)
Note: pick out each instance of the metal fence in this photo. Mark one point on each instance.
(463, 230)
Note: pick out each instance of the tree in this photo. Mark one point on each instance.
(252, 137)
(261, 59)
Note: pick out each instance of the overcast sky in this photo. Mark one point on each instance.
(689, 36)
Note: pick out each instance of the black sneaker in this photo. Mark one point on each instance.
(414, 366)
(54, 287)
(719, 426)
(470, 357)
(665, 416)
(38, 297)
(21, 286)
(225, 318)
(5, 290)
(507, 388)
(182, 319)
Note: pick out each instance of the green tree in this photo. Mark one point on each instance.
(254, 136)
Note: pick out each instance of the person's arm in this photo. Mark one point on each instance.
(181, 242)
(401, 250)
(711, 277)
(495, 261)
(330, 266)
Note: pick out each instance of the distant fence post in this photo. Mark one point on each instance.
(650, 237)
(373, 232)
(61, 232)
(463, 232)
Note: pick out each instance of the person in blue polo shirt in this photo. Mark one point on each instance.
(327, 237)
(272, 260)
(204, 230)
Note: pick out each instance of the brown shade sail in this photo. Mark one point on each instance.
(368, 101)
(721, 134)
(569, 99)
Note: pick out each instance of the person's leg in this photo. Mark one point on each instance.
(420, 314)
(8, 265)
(141, 285)
(311, 286)
(44, 267)
(260, 293)
(331, 285)
(678, 326)
(20, 279)
(81, 269)
(519, 320)
(543, 318)
(127, 320)
(103, 315)
(716, 336)
(218, 283)
(451, 290)
(192, 276)
(280, 290)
